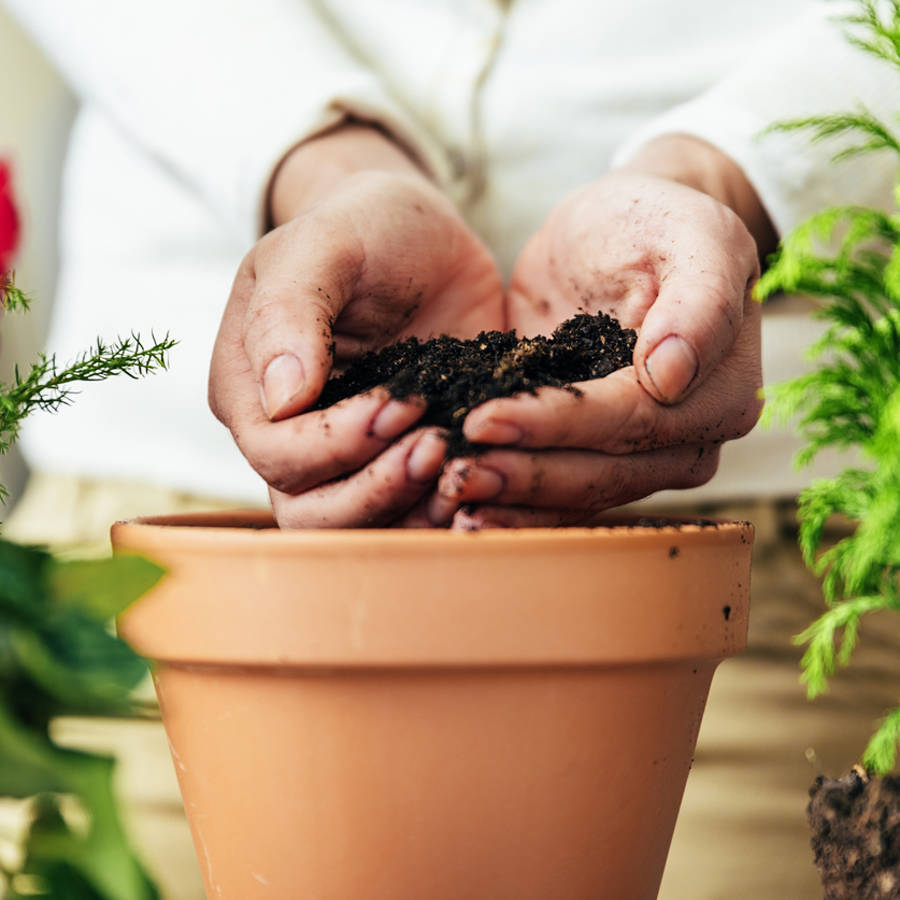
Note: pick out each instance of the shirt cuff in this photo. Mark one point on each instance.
(769, 162)
(364, 101)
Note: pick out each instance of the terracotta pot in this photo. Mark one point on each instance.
(390, 715)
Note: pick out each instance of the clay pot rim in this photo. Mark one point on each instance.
(254, 525)
(396, 598)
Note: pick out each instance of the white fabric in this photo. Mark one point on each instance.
(189, 104)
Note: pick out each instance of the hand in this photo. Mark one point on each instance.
(663, 258)
(366, 255)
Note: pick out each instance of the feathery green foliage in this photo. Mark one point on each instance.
(11, 296)
(850, 258)
(58, 658)
(47, 387)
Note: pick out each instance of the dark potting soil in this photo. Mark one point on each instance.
(453, 376)
(855, 822)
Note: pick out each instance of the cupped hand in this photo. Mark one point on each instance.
(669, 261)
(383, 255)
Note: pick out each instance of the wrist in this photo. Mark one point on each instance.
(699, 165)
(312, 169)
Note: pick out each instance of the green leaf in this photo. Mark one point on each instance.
(831, 640)
(101, 588)
(99, 865)
(21, 582)
(31, 763)
(12, 297)
(881, 753)
(102, 856)
(79, 664)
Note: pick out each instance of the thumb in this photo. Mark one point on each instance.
(690, 327)
(288, 337)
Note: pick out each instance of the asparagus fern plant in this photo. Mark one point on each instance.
(58, 657)
(850, 258)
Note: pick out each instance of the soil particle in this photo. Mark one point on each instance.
(647, 522)
(855, 822)
(454, 376)
(726, 612)
(673, 552)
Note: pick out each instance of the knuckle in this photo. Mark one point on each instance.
(212, 401)
(536, 484)
(738, 417)
(749, 415)
(387, 502)
(639, 425)
(274, 464)
(262, 321)
(702, 467)
(618, 477)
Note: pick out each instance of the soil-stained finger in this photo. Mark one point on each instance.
(573, 479)
(616, 415)
(376, 495)
(296, 454)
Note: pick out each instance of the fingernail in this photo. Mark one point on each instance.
(672, 366)
(494, 431)
(426, 458)
(393, 419)
(282, 381)
(472, 482)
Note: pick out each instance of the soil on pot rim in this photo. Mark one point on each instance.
(855, 822)
(453, 376)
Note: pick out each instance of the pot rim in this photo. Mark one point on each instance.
(615, 594)
(254, 525)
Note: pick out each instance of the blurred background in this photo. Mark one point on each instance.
(38, 110)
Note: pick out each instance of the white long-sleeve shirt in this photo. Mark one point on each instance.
(188, 105)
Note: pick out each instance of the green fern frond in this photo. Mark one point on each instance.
(883, 30)
(891, 275)
(786, 399)
(862, 122)
(48, 386)
(862, 238)
(881, 753)
(831, 640)
(12, 297)
(849, 257)
(848, 494)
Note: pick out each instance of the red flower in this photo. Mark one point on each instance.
(9, 222)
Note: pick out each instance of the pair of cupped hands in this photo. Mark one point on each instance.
(367, 250)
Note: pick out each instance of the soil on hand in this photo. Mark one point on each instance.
(855, 822)
(453, 376)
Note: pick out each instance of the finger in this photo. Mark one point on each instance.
(440, 509)
(616, 415)
(295, 299)
(573, 479)
(376, 495)
(699, 310)
(298, 453)
(420, 515)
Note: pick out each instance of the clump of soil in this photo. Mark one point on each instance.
(855, 821)
(453, 376)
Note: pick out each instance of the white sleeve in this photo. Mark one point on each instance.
(808, 69)
(217, 90)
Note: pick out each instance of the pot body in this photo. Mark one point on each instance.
(407, 715)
